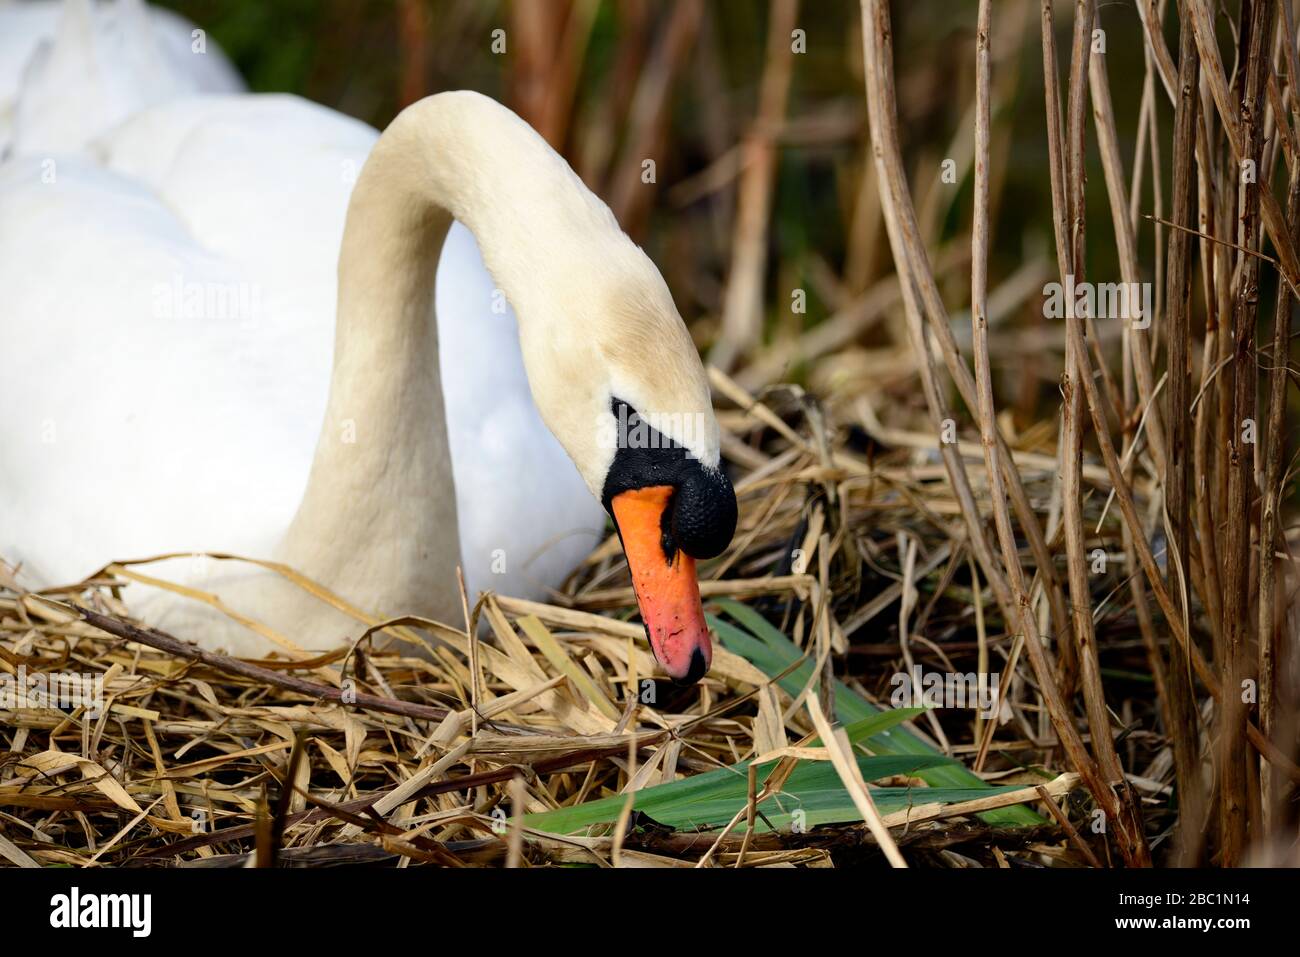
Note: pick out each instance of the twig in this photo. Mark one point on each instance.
(1182, 717)
(1069, 828)
(1270, 650)
(191, 652)
(1234, 802)
(1122, 810)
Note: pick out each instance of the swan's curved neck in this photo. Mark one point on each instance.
(379, 511)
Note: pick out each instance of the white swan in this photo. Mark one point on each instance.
(140, 425)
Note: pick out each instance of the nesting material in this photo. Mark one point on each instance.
(375, 754)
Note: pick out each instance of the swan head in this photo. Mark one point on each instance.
(620, 383)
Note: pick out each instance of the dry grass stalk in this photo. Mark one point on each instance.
(911, 261)
(1123, 810)
(1235, 806)
(900, 211)
(1271, 645)
(1181, 714)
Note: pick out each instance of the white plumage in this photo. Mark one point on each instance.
(169, 316)
(71, 70)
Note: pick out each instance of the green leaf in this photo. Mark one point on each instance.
(711, 799)
(764, 646)
(814, 789)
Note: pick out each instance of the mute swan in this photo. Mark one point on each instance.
(143, 425)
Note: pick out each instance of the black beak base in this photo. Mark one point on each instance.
(698, 667)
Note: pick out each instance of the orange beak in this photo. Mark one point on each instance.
(666, 589)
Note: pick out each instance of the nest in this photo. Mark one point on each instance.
(539, 735)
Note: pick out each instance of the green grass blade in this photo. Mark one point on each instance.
(814, 790)
(764, 646)
(713, 798)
